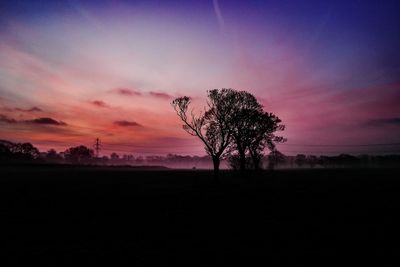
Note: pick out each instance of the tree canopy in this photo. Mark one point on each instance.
(233, 122)
(212, 126)
(78, 154)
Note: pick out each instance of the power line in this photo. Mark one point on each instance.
(305, 145)
(176, 148)
(183, 148)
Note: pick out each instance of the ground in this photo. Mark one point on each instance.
(68, 215)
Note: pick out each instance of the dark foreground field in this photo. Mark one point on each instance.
(59, 216)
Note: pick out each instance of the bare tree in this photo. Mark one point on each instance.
(212, 126)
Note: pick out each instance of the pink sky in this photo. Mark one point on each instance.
(96, 74)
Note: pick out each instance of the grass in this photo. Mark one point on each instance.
(63, 215)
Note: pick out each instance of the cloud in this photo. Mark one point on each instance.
(385, 121)
(127, 92)
(4, 118)
(99, 103)
(41, 121)
(160, 95)
(124, 123)
(32, 109)
(46, 120)
(219, 16)
(134, 92)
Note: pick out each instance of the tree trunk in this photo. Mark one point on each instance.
(242, 161)
(216, 162)
(256, 163)
(256, 158)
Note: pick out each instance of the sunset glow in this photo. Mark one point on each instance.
(72, 71)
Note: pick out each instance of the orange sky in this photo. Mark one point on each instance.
(75, 72)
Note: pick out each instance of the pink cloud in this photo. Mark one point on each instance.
(99, 103)
(6, 119)
(46, 120)
(32, 109)
(339, 116)
(160, 95)
(124, 123)
(127, 92)
(42, 121)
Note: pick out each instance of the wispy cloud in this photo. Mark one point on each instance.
(160, 95)
(32, 109)
(4, 118)
(99, 103)
(127, 91)
(384, 121)
(124, 123)
(46, 120)
(41, 121)
(218, 14)
(123, 91)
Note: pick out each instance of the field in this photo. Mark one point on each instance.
(73, 215)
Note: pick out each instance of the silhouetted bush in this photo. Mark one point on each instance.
(276, 158)
(78, 155)
(53, 157)
(18, 152)
(5, 153)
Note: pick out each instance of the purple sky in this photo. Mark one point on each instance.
(71, 71)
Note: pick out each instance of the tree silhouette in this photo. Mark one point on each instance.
(253, 129)
(52, 156)
(246, 111)
(24, 151)
(301, 160)
(114, 156)
(234, 120)
(234, 161)
(262, 134)
(79, 154)
(212, 126)
(275, 158)
(5, 152)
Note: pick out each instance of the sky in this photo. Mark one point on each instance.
(72, 71)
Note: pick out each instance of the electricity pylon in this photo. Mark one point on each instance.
(97, 146)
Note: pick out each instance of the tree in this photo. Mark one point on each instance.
(212, 126)
(246, 111)
(312, 160)
(234, 120)
(18, 151)
(275, 158)
(234, 161)
(300, 160)
(5, 153)
(253, 129)
(114, 156)
(262, 134)
(78, 154)
(53, 156)
(24, 151)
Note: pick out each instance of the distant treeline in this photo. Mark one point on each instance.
(81, 155)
